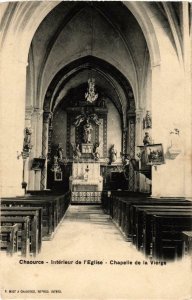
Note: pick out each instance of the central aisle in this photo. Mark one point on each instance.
(87, 234)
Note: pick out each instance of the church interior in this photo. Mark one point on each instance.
(96, 120)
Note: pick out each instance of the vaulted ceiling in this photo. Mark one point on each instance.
(108, 32)
(73, 30)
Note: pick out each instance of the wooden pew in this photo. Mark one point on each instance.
(126, 219)
(152, 222)
(23, 223)
(126, 193)
(39, 211)
(54, 208)
(126, 196)
(137, 212)
(34, 225)
(9, 238)
(139, 220)
(127, 211)
(43, 193)
(187, 243)
(60, 203)
(152, 202)
(109, 196)
(122, 212)
(47, 207)
(50, 211)
(167, 234)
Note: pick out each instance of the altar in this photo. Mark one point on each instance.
(86, 184)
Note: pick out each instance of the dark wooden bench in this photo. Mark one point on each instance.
(39, 212)
(137, 212)
(167, 234)
(187, 242)
(47, 206)
(138, 225)
(43, 192)
(60, 203)
(128, 210)
(50, 211)
(34, 226)
(23, 223)
(109, 196)
(153, 224)
(125, 195)
(122, 212)
(9, 238)
(54, 208)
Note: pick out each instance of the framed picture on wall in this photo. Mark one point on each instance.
(38, 164)
(58, 176)
(154, 154)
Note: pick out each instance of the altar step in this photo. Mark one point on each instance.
(86, 197)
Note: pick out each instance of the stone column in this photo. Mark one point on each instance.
(26, 164)
(36, 123)
(131, 149)
(139, 178)
(138, 127)
(45, 138)
(124, 140)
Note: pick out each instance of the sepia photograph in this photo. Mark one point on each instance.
(96, 150)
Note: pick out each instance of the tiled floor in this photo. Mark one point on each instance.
(92, 245)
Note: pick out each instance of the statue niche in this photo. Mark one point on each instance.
(87, 130)
(85, 125)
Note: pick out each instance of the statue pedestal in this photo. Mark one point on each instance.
(87, 148)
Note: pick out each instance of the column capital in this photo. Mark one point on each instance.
(28, 112)
(139, 114)
(37, 112)
(139, 110)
